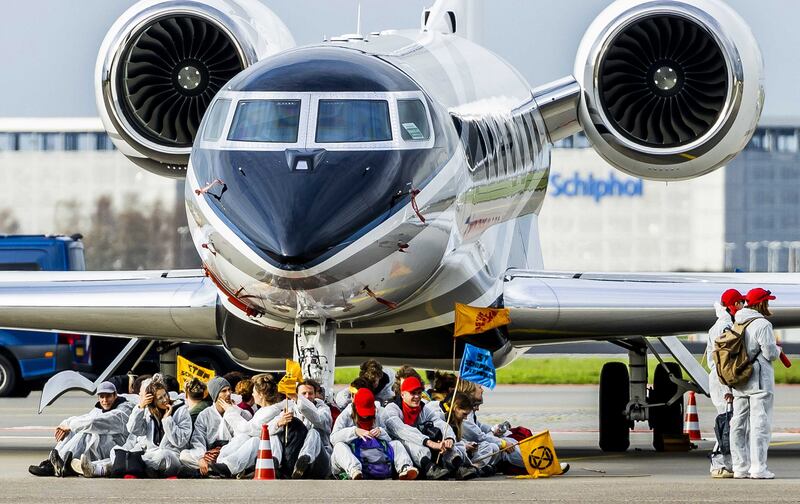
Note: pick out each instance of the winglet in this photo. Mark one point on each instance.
(62, 383)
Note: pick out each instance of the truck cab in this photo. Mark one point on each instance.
(28, 358)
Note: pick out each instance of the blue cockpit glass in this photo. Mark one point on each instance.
(341, 121)
(274, 121)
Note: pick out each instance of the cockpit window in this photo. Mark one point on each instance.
(274, 121)
(413, 120)
(216, 120)
(341, 121)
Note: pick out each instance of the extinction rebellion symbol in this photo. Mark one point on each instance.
(541, 458)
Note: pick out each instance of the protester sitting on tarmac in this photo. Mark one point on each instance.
(362, 448)
(461, 409)
(245, 389)
(314, 455)
(90, 436)
(210, 433)
(487, 445)
(345, 396)
(239, 455)
(751, 424)
(721, 395)
(402, 373)
(422, 433)
(196, 399)
(442, 385)
(380, 379)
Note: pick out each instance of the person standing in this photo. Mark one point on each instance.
(731, 302)
(753, 400)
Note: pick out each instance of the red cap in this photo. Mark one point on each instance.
(730, 297)
(411, 384)
(364, 403)
(758, 295)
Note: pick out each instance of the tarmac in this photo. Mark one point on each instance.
(568, 411)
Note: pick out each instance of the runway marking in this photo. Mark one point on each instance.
(28, 428)
(785, 443)
(26, 437)
(573, 459)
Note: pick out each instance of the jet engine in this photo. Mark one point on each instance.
(163, 61)
(671, 89)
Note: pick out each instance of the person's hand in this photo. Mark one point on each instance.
(447, 444)
(145, 400)
(167, 413)
(729, 397)
(285, 418)
(61, 432)
(433, 445)
(471, 447)
(211, 455)
(376, 432)
(203, 466)
(224, 405)
(363, 433)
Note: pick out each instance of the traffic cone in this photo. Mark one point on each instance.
(265, 467)
(691, 422)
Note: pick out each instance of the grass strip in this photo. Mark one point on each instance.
(573, 370)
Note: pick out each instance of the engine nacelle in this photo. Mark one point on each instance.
(671, 89)
(163, 61)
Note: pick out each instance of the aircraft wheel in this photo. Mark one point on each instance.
(666, 421)
(615, 433)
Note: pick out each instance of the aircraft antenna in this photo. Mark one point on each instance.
(358, 21)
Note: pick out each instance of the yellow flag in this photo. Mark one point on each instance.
(539, 455)
(188, 370)
(472, 320)
(293, 376)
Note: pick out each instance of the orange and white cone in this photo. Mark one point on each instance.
(691, 422)
(265, 466)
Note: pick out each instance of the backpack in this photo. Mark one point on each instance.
(733, 365)
(376, 457)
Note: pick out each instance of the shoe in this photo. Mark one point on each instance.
(408, 473)
(424, 466)
(564, 468)
(356, 475)
(740, 475)
(721, 473)
(221, 470)
(763, 475)
(300, 466)
(45, 468)
(189, 473)
(487, 471)
(57, 463)
(67, 471)
(437, 473)
(466, 472)
(87, 469)
(76, 466)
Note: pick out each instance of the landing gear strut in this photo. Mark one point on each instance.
(315, 350)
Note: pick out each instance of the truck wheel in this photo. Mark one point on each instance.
(8, 376)
(666, 421)
(615, 428)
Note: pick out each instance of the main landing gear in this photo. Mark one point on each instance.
(626, 399)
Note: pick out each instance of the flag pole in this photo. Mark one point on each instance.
(449, 413)
(286, 427)
(454, 354)
(513, 445)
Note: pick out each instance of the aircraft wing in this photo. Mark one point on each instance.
(164, 305)
(558, 306)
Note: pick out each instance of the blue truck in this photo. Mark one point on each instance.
(29, 358)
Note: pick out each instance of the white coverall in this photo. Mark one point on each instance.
(96, 432)
(344, 431)
(317, 418)
(177, 431)
(410, 436)
(459, 447)
(753, 401)
(384, 395)
(208, 429)
(240, 454)
(718, 390)
(474, 431)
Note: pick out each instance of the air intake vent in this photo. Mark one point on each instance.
(663, 82)
(172, 71)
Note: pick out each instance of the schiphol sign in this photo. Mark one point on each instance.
(587, 186)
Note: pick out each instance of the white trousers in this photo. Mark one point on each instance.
(240, 454)
(718, 460)
(753, 412)
(486, 454)
(343, 460)
(312, 445)
(152, 458)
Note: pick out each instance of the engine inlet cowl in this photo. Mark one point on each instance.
(672, 89)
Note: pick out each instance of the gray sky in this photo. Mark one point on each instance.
(48, 47)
